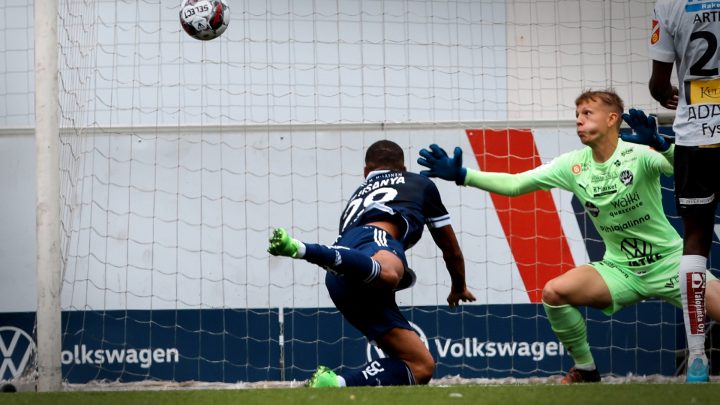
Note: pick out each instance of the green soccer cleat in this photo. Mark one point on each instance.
(322, 377)
(282, 244)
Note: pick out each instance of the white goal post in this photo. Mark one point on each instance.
(49, 268)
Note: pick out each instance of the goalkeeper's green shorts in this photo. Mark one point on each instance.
(626, 287)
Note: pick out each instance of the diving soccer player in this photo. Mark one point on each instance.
(383, 218)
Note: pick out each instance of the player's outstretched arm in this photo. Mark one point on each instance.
(441, 165)
(645, 130)
(454, 262)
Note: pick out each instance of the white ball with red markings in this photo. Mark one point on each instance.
(204, 19)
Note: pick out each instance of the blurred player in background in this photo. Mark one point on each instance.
(367, 265)
(618, 183)
(686, 33)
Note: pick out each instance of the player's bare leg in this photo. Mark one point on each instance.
(581, 286)
(406, 345)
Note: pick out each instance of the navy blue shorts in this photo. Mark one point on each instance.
(373, 311)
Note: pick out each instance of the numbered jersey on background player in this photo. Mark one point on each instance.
(687, 32)
(407, 199)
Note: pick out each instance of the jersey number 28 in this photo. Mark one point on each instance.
(381, 195)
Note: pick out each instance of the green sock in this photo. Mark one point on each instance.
(569, 326)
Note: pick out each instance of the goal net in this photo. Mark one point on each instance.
(178, 157)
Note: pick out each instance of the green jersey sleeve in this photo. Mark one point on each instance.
(621, 196)
(543, 177)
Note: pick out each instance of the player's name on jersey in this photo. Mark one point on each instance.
(708, 16)
(383, 180)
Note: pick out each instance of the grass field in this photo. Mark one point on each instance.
(606, 394)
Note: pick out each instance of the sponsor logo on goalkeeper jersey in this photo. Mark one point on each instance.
(16, 348)
(599, 191)
(639, 252)
(81, 354)
(625, 204)
(598, 178)
(626, 225)
(626, 177)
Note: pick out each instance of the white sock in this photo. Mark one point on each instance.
(692, 291)
(301, 250)
(341, 381)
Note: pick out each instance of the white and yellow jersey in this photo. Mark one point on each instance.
(687, 32)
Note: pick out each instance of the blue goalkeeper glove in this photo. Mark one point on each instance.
(441, 165)
(645, 130)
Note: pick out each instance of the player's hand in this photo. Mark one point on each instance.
(454, 298)
(441, 165)
(644, 130)
(672, 102)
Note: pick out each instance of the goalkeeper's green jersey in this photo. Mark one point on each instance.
(622, 196)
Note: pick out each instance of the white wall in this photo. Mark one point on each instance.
(341, 62)
(17, 222)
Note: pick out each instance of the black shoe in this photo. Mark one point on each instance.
(576, 375)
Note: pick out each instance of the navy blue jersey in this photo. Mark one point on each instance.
(407, 199)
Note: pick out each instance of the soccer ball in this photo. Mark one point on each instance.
(204, 19)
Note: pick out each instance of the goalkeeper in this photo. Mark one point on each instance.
(618, 183)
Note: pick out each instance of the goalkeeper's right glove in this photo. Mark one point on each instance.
(441, 165)
(644, 130)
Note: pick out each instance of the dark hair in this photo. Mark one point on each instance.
(385, 155)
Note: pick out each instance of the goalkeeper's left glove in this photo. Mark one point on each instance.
(644, 130)
(443, 166)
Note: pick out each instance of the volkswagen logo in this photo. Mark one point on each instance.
(16, 348)
(635, 248)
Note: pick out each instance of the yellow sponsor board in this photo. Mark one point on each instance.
(705, 91)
